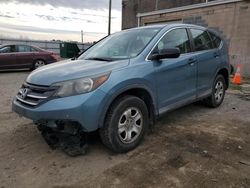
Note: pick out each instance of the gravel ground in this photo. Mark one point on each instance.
(190, 147)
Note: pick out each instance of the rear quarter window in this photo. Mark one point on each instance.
(215, 39)
(33, 49)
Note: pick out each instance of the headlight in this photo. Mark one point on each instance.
(79, 86)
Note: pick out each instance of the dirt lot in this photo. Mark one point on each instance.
(190, 147)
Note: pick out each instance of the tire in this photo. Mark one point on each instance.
(125, 125)
(38, 63)
(231, 69)
(218, 93)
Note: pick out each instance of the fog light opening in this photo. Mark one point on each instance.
(67, 126)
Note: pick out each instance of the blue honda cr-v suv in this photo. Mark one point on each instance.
(123, 83)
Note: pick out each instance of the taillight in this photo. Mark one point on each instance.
(55, 57)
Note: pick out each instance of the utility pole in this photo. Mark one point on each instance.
(109, 24)
(82, 35)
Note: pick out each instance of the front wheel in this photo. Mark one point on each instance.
(218, 93)
(125, 124)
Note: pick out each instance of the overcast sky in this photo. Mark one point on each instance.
(58, 19)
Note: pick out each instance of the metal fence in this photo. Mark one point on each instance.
(53, 46)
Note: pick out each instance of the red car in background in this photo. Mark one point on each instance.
(24, 56)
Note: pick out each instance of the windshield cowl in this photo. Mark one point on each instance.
(101, 59)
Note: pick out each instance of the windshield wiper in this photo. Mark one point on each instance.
(100, 59)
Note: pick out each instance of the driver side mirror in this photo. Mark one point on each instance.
(165, 53)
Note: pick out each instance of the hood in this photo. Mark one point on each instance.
(69, 70)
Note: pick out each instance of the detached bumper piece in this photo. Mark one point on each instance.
(64, 135)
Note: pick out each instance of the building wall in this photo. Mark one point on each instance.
(130, 8)
(232, 20)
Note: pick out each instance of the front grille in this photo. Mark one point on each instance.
(33, 95)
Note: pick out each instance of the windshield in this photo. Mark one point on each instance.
(122, 45)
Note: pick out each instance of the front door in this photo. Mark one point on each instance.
(7, 57)
(175, 77)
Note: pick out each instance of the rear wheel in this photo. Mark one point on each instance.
(125, 124)
(38, 63)
(218, 93)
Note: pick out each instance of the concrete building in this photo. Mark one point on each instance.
(229, 17)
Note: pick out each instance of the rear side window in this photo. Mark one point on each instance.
(215, 39)
(201, 39)
(23, 48)
(177, 38)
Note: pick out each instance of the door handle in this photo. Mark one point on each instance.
(191, 61)
(216, 55)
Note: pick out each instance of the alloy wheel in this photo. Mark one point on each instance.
(130, 125)
(39, 63)
(219, 91)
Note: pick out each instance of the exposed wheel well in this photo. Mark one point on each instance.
(224, 73)
(145, 96)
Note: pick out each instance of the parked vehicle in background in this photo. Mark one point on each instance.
(123, 83)
(18, 56)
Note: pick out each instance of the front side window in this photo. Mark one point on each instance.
(122, 45)
(7, 49)
(22, 48)
(177, 38)
(201, 40)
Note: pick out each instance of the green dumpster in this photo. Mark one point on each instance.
(68, 50)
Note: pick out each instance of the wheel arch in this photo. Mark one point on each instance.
(225, 73)
(139, 91)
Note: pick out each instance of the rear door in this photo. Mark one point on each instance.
(25, 56)
(176, 77)
(208, 60)
(7, 57)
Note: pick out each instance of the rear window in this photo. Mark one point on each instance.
(201, 39)
(215, 39)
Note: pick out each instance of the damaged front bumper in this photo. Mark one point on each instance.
(83, 109)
